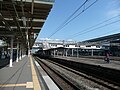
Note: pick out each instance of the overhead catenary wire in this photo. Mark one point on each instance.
(84, 30)
(104, 34)
(67, 21)
(69, 18)
(98, 28)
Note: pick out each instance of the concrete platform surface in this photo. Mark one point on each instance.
(113, 64)
(20, 76)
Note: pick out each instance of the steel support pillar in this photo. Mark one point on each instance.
(66, 52)
(77, 53)
(17, 52)
(23, 52)
(29, 51)
(92, 52)
(11, 53)
(20, 53)
(72, 52)
(54, 52)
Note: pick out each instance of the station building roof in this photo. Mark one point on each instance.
(102, 40)
(109, 37)
(19, 17)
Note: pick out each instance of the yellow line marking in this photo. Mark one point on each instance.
(12, 85)
(34, 76)
(27, 85)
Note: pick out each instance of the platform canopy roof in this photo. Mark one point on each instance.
(104, 39)
(19, 18)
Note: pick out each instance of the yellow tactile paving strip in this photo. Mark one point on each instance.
(34, 76)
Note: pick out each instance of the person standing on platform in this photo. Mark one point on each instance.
(107, 56)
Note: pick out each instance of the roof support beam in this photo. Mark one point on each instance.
(50, 2)
(27, 27)
(14, 27)
(16, 19)
(34, 20)
(5, 23)
(32, 8)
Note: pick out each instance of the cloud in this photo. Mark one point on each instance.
(113, 8)
(114, 12)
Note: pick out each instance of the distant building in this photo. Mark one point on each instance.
(49, 44)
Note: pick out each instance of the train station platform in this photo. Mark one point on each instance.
(22, 76)
(26, 74)
(113, 64)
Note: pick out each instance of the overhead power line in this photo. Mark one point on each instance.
(98, 28)
(110, 31)
(84, 30)
(69, 18)
(66, 22)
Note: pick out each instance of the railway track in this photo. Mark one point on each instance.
(70, 79)
(62, 83)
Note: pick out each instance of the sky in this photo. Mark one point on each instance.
(101, 19)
